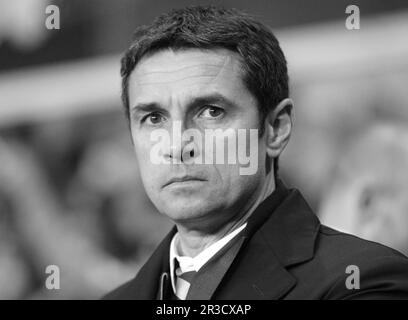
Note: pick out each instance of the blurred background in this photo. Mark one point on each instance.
(70, 193)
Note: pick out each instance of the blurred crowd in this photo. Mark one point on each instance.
(70, 196)
(368, 190)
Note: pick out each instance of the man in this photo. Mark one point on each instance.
(239, 234)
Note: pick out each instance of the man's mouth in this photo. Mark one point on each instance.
(183, 179)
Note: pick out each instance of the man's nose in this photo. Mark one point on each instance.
(185, 154)
(180, 150)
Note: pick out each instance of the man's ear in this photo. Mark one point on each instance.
(278, 127)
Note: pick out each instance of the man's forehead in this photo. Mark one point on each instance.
(168, 66)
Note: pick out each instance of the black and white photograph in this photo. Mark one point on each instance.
(203, 150)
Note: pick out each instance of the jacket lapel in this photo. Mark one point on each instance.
(146, 284)
(291, 230)
(255, 275)
(281, 232)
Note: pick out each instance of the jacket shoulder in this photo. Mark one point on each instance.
(348, 245)
(376, 271)
(123, 292)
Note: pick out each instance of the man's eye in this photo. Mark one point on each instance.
(153, 118)
(212, 112)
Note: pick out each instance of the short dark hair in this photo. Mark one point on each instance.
(208, 27)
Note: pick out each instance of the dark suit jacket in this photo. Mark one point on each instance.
(288, 254)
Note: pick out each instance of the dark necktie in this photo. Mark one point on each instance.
(183, 281)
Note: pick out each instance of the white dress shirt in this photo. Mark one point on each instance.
(186, 264)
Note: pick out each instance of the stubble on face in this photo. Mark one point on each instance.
(171, 80)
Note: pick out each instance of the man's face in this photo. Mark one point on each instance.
(198, 90)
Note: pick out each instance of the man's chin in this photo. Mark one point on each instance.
(185, 210)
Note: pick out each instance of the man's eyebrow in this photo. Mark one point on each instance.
(146, 107)
(215, 98)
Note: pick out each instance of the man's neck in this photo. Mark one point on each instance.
(192, 242)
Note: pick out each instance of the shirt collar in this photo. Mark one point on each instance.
(194, 264)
